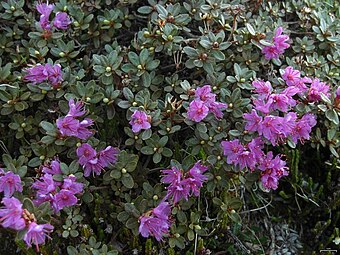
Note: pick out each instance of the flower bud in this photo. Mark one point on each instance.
(23, 125)
(42, 157)
(105, 100)
(124, 171)
(108, 69)
(198, 227)
(61, 54)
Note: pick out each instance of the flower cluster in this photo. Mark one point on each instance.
(252, 156)
(156, 222)
(14, 217)
(59, 194)
(184, 185)
(41, 73)
(205, 102)
(277, 128)
(273, 118)
(9, 183)
(139, 120)
(94, 162)
(293, 78)
(279, 44)
(71, 126)
(61, 20)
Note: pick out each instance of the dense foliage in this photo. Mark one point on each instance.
(169, 127)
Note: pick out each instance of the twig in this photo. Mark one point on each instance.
(238, 241)
(257, 209)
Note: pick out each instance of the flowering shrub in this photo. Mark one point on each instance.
(169, 127)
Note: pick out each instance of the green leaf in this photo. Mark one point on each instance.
(48, 127)
(146, 134)
(128, 94)
(156, 158)
(34, 162)
(87, 197)
(134, 58)
(332, 115)
(74, 233)
(132, 223)
(145, 9)
(28, 204)
(131, 208)
(123, 216)
(147, 150)
(250, 29)
(143, 56)
(127, 181)
(167, 152)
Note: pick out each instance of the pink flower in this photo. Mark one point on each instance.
(269, 179)
(215, 108)
(53, 168)
(156, 223)
(62, 20)
(41, 73)
(179, 190)
(278, 47)
(64, 198)
(271, 52)
(273, 170)
(281, 40)
(196, 178)
(253, 121)
(264, 89)
(76, 108)
(36, 74)
(45, 10)
(139, 120)
(37, 233)
(83, 132)
(92, 166)
(162, 211)
(288, 124)
(255, 147)
(197, 111)
(232, 150)
(45, 185)
(172, 176)
(279, 102)
(316, 88)
(68, 126)
(271, 128)
(11, 214)
(70, 183)
(337, 93)
(9, 183)
(85, 152)
(303, 128)
(54, 74)
(291, 76)
(108, 156)
(204, 94)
